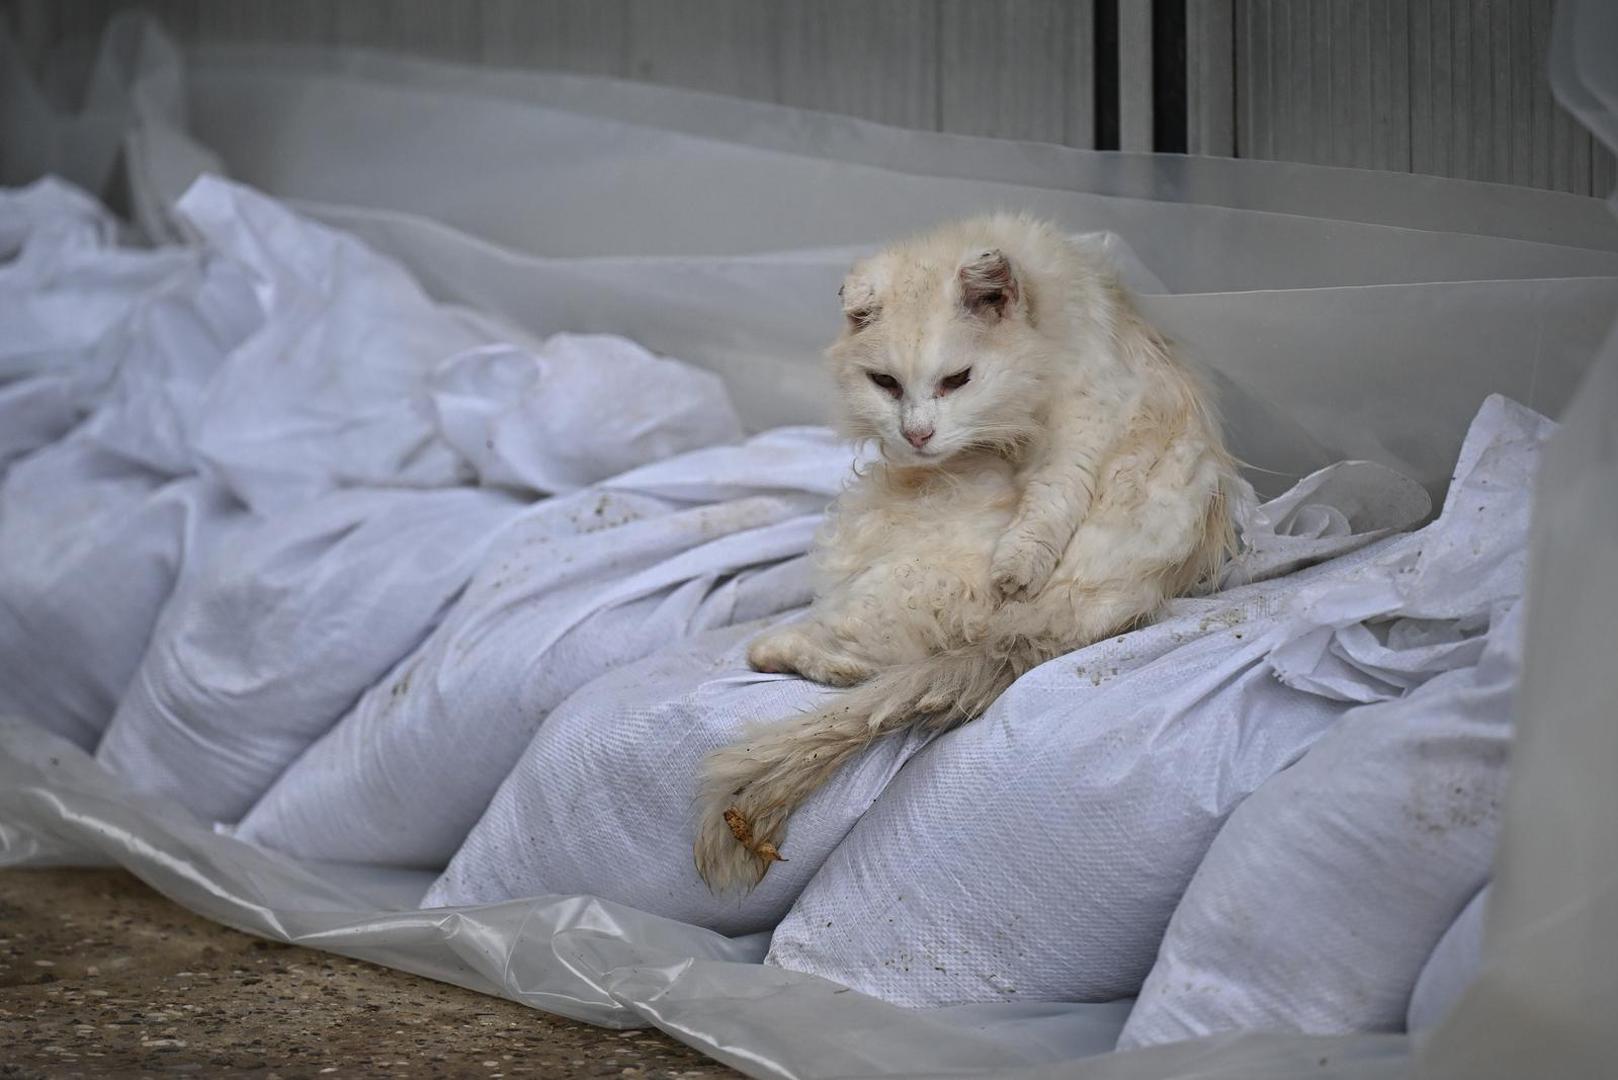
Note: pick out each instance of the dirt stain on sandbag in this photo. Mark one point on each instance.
(402, 687)
(1228, 619)
(1000, 983)
(606, 514)
(1097, 675)
(741, 515)
(1446, 796)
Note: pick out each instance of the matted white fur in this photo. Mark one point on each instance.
(1050, 474)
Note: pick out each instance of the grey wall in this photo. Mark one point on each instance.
(1452, 87)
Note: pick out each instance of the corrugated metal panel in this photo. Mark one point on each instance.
(1390, 84)
(285, 21)
(1079, 129)
(1603, 173)
(1134, 75)
(559, 35)
(878, 61)
(450, 31)
(1452, 87)
(727, 46)
(1004, 68)
(1210, 78)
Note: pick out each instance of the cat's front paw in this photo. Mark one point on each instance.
(791, 650)
(778, 651)
(1021, 567)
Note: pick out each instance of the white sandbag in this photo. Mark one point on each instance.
(1326, 892)
(575, 411)
(646, 729)
(164, 359)
(337, 373)
(68, 294)
(90, 548)
(1338, 858)
(601, 801)
(1074, 813)
(44, 218)
(1450, 969)
(283, 630)
(329, 393)
(358, 379)
(577, 585)
(290, 361)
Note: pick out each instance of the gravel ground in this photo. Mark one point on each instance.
(101, 976)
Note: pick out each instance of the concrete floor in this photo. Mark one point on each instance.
(100, 976)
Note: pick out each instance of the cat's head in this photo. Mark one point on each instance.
(938, 352)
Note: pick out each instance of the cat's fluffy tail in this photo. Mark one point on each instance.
(749, 788)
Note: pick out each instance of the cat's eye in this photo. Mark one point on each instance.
(886, 382)
(951, 383)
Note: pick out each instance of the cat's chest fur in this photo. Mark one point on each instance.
(921, 518)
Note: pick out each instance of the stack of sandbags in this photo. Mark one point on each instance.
(359, 379)
(601, 801)
(1322, 899)
(283, 630)
(97, 524)
(90, 548)
(352, 418)
(67, 293)
(574, 587)
(1039, 852)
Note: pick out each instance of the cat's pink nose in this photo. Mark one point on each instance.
(918, 437)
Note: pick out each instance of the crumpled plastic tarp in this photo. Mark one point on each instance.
(1430, 304)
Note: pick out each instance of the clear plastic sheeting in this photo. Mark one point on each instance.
(671, 194)
(1344, 316)
(580, 201)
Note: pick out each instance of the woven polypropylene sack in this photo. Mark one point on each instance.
(283, 630)
(575, 586)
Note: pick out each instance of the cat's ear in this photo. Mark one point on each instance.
(859, 301)
(989, 286)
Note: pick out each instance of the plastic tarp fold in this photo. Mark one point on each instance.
(1444, 293)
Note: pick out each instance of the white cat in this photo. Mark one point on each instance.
(1050, 475)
